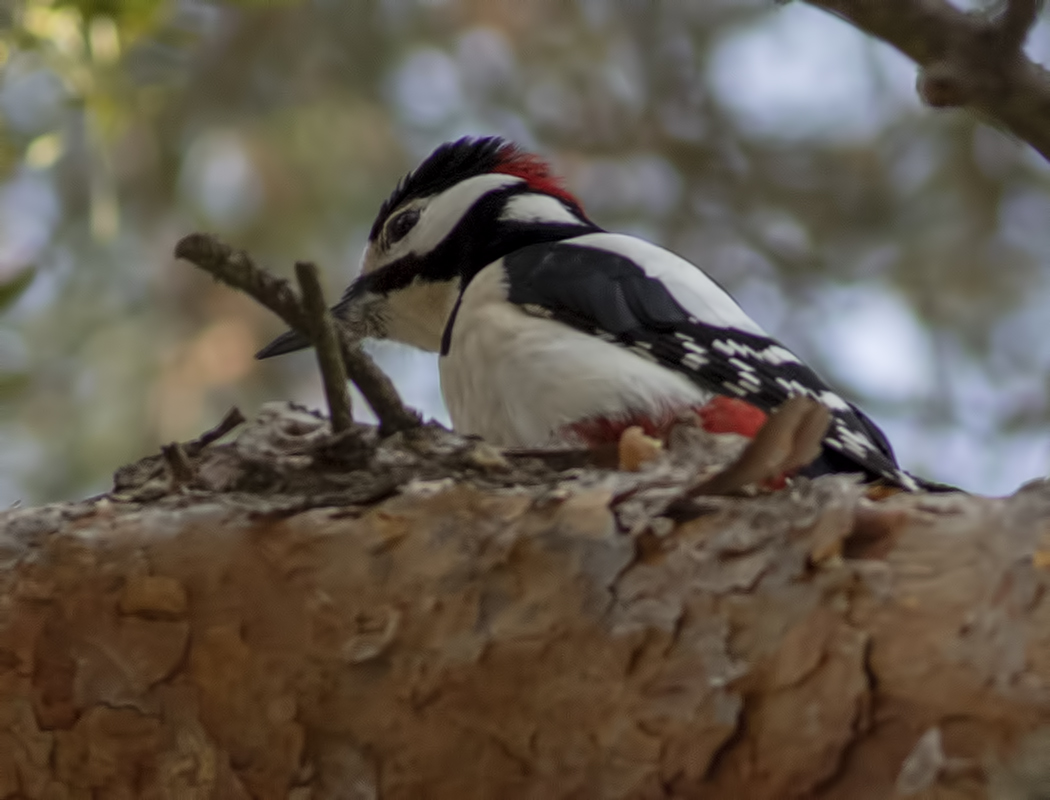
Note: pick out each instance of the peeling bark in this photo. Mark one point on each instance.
(344, 617)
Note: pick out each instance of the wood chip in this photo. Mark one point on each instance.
(636, 449)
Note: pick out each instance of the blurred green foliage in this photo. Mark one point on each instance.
(12, 288)
(865, 231)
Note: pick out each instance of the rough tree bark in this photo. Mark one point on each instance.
(297, 615)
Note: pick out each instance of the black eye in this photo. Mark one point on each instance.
(399, 226)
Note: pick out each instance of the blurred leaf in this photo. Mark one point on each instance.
(12, 385)
(12, 288)
(10, 153)
(44, 150)
(124, 11)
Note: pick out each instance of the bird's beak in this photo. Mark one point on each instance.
(361, 312)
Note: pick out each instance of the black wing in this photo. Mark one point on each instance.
(610, 296)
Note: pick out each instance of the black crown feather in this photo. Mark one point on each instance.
(449, 164)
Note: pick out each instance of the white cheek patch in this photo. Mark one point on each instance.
(441, 213)
(367, 263)
(537, 208)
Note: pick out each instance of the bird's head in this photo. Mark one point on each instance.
(469, 203)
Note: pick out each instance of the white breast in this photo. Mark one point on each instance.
(516, 379)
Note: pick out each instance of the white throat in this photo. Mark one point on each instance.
(418, 313)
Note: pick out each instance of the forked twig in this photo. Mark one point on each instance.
(235, 268)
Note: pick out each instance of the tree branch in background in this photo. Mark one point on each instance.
(1015, 21)
(235, 268)
(326, 345)
(965, 59)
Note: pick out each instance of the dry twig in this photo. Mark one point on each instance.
(791, 438)
(235, 268)
(178, 462)
(375, 386)
(326, 345)
(233, 418)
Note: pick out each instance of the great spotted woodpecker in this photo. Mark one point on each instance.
(551, 329)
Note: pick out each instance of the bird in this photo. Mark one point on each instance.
(552, 330)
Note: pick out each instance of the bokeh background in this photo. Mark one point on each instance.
(905, 253)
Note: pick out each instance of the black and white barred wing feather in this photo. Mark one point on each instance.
(644, 298)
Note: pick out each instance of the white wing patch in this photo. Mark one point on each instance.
(687, 283)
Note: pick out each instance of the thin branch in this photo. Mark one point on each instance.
(965, 59)
(235, 268)
(375, 386)
(326, 345)
(1016, 20)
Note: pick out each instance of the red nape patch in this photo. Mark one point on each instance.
(729, 415)
(535, 171)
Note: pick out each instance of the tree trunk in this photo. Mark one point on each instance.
(267, 625)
